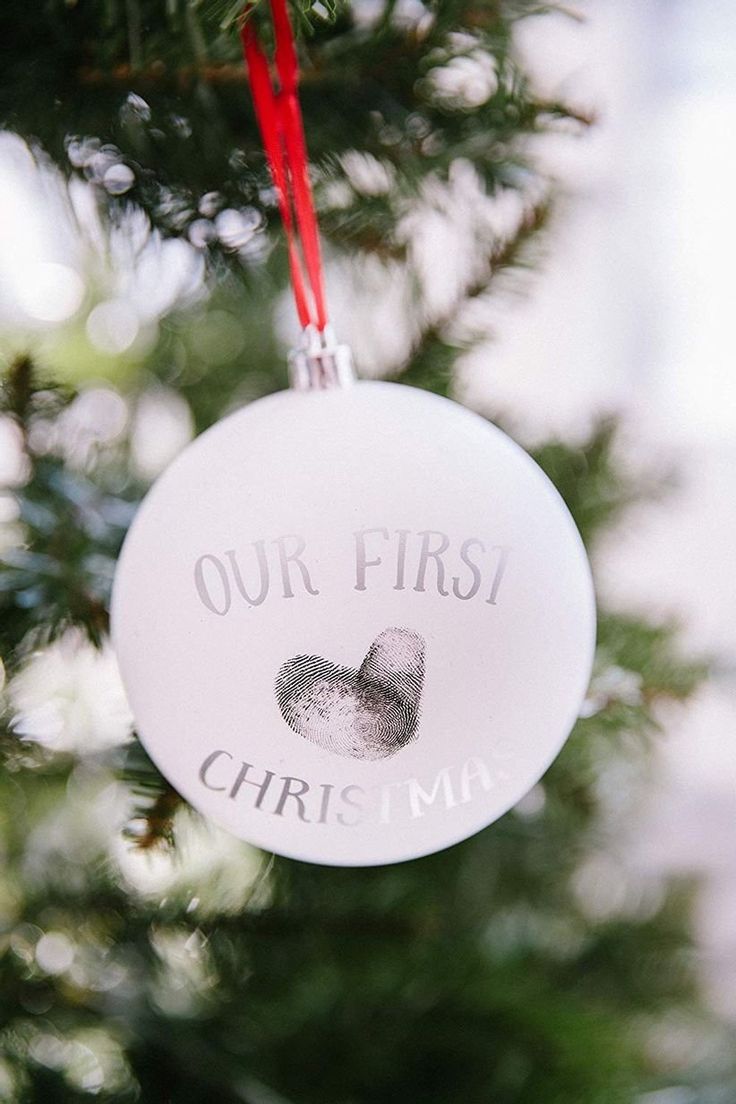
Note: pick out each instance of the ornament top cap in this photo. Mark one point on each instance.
(319, 362)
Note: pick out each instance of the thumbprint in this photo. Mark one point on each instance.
(370, 713)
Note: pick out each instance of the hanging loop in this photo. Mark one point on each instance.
(318, 361)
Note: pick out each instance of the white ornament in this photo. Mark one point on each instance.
(356, 625)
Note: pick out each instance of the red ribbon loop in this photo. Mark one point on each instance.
(282, 130)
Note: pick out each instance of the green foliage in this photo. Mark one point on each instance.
(475, 974)
(528, 964)
(72, 529)
(173, 102)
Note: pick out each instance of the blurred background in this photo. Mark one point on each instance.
(528, 208)
(630, 314)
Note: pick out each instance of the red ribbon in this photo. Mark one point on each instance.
(282, 130)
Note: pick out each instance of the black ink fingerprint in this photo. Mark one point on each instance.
(370, 713)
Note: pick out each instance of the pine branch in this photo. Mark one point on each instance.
(50, 581)
(151, 824)
(433, 358)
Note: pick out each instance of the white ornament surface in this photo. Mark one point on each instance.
(355, 626)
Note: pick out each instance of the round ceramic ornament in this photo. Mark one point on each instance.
(355, 624)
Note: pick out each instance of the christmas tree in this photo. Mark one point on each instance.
(144, 954)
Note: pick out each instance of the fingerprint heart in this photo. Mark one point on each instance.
(370, 713)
